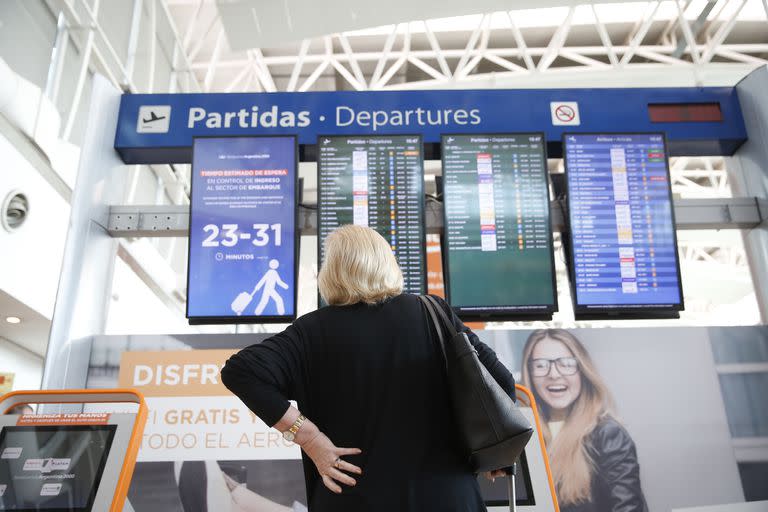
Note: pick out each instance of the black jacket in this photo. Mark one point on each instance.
(616, 478)
(370, 377)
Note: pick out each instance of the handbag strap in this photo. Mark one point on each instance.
(440, 311)
(438, 327)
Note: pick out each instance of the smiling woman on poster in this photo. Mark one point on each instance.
(593, 458)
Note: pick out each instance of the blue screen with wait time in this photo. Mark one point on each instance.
(242, 228)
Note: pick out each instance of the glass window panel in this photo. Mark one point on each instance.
(745, 345)
(744, 395)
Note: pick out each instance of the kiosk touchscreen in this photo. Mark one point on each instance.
(499, 258)
(243, 253)
(73, 461)
(52, 467)
(623, 256)
(376, 181)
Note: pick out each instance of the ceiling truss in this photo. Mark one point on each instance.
(414, 54)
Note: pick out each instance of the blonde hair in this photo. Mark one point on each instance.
(572, 466)
(359, 266)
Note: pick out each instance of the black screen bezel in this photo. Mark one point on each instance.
(111, 429)
(522, 467)
(618, 311)
(518, 312)
(421, 201)
(250, 319)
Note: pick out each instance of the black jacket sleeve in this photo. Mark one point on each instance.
(617, 466)
(264, 375)
(485, 353)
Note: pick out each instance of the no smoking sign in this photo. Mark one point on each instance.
(565, 113)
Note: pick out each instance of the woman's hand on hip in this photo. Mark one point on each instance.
(329, 463)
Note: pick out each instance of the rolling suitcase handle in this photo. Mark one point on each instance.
(511, 487)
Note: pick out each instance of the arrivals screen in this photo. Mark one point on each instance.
(624, 249)
(376, 181)
(52, 468)
(499, 257)
(242, 230)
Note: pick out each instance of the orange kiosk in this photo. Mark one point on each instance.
(74, 461)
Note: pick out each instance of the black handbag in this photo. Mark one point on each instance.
(493, 429)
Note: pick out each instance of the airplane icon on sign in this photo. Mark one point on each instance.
(152, 118)
(450, 139)
(326, 141)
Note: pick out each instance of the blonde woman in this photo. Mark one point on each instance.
(593, 458)
(368, 377)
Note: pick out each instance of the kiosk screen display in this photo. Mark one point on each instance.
(242, 236)
(624, 248)
(376, 181)
(499, 257)
(52, 468)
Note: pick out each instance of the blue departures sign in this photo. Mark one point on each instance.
(159, 128)
(242, 250)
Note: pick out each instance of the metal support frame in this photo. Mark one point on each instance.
(173, 220)
(387, 66)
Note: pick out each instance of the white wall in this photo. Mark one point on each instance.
(31, 255)
(27, 367)
(27, 33)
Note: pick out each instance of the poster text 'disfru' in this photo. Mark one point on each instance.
(192, 416)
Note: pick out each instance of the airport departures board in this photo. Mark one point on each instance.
(498, 237)
(624, 247)
(376, 181)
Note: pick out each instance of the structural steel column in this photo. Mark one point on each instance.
(89, 254)
(749, 175)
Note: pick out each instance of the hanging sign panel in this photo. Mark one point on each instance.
(242, 247)
(159, 128)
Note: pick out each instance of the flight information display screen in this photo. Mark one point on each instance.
(376, 181)
(499, 257)
(242, 230)
(52, 468)
(624, 248)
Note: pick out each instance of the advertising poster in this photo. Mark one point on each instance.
(242, 244)
(6, 382)
(648, 410)
(203, 449)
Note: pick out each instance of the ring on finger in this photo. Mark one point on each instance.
(337, 462)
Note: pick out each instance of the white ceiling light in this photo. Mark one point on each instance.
(13, 319)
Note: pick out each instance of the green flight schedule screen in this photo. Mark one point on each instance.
(376, 181)
(498, 237)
